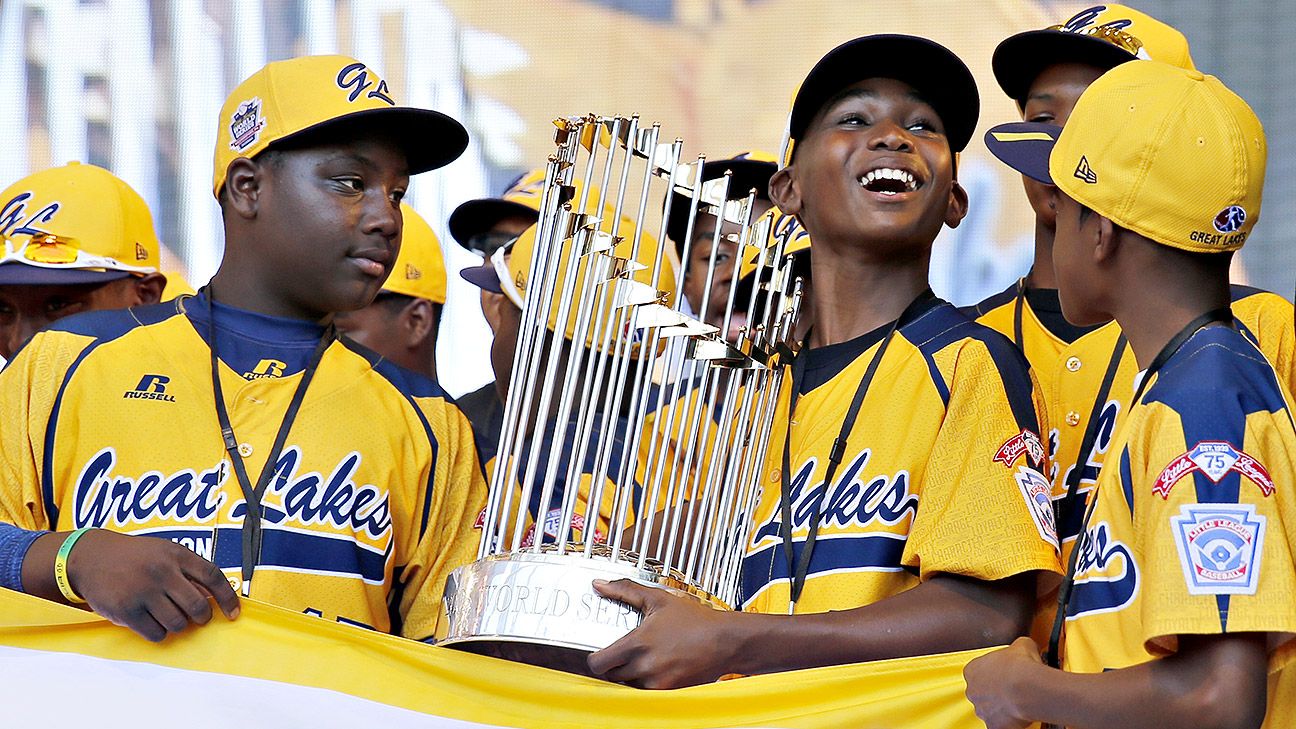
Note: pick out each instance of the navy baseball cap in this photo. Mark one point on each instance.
(940, 76)
(1025, 147)
(1104, 36)
(748, 171)
(13, 273)
(521, 199)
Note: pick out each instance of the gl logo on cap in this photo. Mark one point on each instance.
(356, 78)
(1230, 219)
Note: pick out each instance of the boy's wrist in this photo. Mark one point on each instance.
(1030, 690)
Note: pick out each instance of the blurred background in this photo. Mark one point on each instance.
(136, 85)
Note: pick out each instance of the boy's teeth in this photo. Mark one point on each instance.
(887, 173)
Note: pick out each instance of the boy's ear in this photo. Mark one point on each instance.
(784, 192)
(958, 205)
(149, 288)
(243, 180)
(418, 321)
(1105, 240)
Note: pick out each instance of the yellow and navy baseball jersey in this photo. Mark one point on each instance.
(1073, 383)
(942, 470)
(110, 422)
(1032, 319)
(1070, 362)
(1192, 530)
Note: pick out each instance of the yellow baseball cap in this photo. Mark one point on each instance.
(74, 224)
(419, 270)
(509, 272)
(316, 94)
(1169, 153)
(176, 286)
(798, 241)
(1103, 35)
(521, 199)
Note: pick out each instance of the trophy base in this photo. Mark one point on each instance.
(558, 658)
(540, 608)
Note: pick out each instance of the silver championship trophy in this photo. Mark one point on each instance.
(634, 434)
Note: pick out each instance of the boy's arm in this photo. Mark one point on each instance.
(149, 585)
(681, 642)
(152, 586)
(1212, 681)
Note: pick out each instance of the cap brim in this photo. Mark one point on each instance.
(483, 277)
(429, 138)
(1025, 147)
(939, 76)
(1020, 59)
(747, 175)
(20, 274)
(479, 216)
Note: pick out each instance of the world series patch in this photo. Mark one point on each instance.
(246, 124)
(1219, 547)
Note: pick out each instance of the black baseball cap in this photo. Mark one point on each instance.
(941, 77)
(748, 171)
(521, 199)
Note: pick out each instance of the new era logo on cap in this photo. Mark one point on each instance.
(1084, 172)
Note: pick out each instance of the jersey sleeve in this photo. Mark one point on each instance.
(1213, 483)
(984, 508)
(1269, 318)
(447, 538)
(30, 386)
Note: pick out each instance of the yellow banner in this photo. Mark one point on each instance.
(272, 644)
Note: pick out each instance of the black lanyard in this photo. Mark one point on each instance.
(1018, 305)
(1224, 314)
(252, 517)
(799, 569)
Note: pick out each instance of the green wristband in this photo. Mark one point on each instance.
(61, 567)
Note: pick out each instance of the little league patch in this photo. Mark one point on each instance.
(1219, 547)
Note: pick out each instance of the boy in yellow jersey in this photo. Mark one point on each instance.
(1178, 602)
(296, 467)
(934, 522)
(76, 238)
(404, 319)
(1045, 71)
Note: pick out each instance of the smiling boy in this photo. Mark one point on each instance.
(931, 531)
(236, 424)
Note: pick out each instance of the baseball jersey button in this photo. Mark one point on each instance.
(1073, 418)
(1073, 363)
(245, 449)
